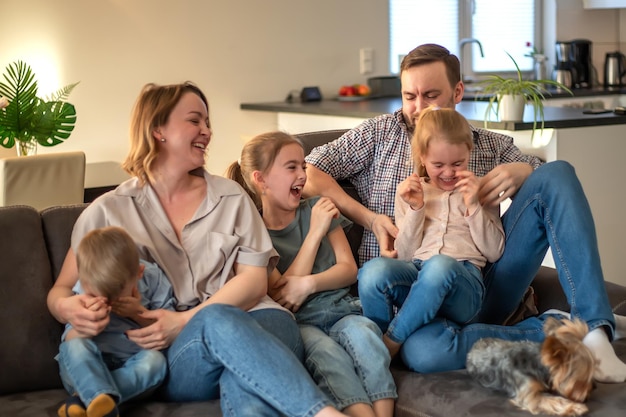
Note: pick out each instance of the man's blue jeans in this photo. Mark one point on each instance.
(246, 359)
(84, 372)
(550, 209)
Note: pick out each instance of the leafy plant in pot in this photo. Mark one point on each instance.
(509, 96)
(27, 120)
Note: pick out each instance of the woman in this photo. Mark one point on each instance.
(204, 231)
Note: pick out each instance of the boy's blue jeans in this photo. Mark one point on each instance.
(84, 372)
(550, 209)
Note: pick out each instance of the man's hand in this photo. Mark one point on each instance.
(503, 182)
(385, 232)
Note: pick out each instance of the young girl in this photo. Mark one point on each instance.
(443, 230)
(343, 350)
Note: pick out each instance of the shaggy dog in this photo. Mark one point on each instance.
(554, 377)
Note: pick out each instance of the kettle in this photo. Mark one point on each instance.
(614, 69)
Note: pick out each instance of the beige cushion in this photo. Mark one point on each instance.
(43, 181)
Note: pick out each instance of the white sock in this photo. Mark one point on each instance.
(610, 368)
(554, 311)
(620, 327)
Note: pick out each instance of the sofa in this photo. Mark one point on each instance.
(33, 245)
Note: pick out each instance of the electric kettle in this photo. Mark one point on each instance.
(614, 69)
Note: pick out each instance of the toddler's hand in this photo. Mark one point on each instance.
(469, 185)
(411, 192)
(321, 215)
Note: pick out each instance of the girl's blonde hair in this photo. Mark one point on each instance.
(436, 123)
(258, 154)
(107, 260)
(151, 111)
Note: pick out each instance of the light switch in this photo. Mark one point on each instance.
(366, 60)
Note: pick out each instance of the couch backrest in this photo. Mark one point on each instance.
(309, 141)
(30, 334)
(32, 248)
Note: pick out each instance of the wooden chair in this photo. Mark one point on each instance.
(44, 180)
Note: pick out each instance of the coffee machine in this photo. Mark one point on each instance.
(573, 63)
(580, 56)
(564, 68)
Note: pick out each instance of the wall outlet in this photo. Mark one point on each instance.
(366, 60)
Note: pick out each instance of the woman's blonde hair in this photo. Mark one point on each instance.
(107, 260)
(436, 123)
(152, 110)
(258, 154)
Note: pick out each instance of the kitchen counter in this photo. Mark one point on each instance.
(472, 92)
(474, 111)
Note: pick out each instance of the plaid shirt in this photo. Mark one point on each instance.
(376, 156)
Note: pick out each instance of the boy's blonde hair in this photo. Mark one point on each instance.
(436, 123)
(258, 154)
(107, 260)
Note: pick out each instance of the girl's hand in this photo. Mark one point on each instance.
(87, 314)
(469, 185)
(295, 291)
(411, 192)
(321, 215)
(162, 332)
(129, 306)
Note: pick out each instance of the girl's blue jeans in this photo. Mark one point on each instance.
(438, 287)
(550, 209)
(84, 372)
(247, 360)
(349, 361)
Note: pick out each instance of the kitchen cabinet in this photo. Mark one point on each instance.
(604, 4)
(593, 144)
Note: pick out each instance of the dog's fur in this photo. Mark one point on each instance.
(554, 377)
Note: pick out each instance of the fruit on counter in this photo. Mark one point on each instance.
(354, 90)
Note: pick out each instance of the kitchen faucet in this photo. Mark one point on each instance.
(462, 43)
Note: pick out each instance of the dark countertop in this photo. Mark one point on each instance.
(471, 94)
(474, 111)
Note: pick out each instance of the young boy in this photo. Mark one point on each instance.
(105, 370)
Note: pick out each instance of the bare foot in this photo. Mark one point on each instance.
(392, 347)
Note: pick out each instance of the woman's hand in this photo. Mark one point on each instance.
(87, 314)
(160, 334)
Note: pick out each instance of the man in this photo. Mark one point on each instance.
(549, 208)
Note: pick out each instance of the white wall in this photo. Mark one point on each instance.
(235, 50)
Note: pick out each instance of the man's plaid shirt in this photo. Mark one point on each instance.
(376, 156)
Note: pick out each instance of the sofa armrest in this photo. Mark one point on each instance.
(549, 293)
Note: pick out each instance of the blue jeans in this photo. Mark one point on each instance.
(84, 372)
(349, 361)
(245, 359)
(550, 209)
(420, 291)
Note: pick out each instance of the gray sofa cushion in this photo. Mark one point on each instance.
(30, 334)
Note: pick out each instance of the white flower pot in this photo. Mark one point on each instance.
(511, 108)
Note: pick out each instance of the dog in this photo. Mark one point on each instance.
(554, 377)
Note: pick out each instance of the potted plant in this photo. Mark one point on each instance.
(509, 96)
(27, 120)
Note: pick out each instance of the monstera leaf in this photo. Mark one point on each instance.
(49, 121)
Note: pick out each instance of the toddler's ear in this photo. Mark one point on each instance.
(140, 270)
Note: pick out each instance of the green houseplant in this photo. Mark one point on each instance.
(27, 120)
(501, 91)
